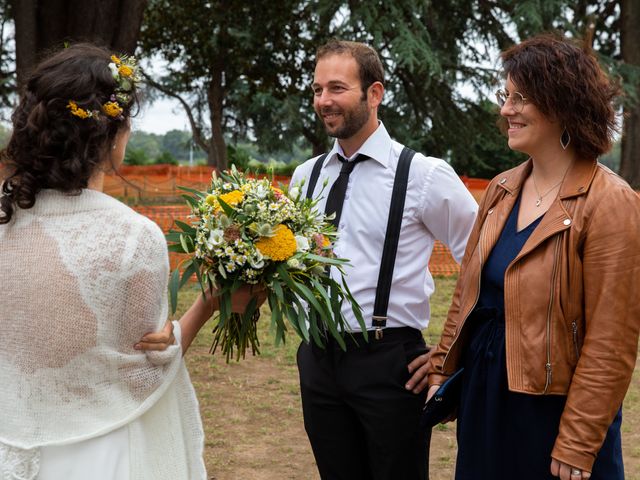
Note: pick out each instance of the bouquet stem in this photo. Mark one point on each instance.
(238, 333)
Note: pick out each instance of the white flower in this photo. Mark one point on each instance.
(302, 243)
(262, 191)
(216, 237)
(294, 192)
(114, 70)
(257, 260)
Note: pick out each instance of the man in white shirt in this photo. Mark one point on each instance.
(362, 407)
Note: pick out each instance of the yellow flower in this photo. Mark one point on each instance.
(211, 200)
(125, 70)
(232, 198)
(279, 247)
(116, 60)
(112, 109)
(77, 111)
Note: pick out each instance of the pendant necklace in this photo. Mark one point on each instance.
(535, 185)
(540, 197)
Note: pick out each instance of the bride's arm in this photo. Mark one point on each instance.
(197, 315)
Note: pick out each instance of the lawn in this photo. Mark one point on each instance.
(253, 420)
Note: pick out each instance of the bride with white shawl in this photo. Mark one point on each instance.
(83, 278)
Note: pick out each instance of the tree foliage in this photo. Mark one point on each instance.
(219, 54)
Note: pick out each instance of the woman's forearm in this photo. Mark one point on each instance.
(197, 315)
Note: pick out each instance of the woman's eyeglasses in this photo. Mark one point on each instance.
(516, 98)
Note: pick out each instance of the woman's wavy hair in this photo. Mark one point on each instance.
(50, 147)
(566, 83)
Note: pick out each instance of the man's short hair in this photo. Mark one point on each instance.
(369, 64)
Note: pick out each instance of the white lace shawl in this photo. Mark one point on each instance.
(82, 279)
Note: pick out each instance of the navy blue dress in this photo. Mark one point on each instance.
(503, 434)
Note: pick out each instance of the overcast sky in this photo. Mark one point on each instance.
(161, 116)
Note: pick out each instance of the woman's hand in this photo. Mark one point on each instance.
(567, 472)
(197, 315)
(159, 340)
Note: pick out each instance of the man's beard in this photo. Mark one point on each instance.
(354, 120)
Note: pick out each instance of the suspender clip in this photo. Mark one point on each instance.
(379, 323)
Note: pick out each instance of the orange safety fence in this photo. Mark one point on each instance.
(157, 182)
(441, 262)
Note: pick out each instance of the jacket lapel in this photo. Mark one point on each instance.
(557, 218)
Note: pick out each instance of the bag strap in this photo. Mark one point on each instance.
(394, 222)
(315, 174)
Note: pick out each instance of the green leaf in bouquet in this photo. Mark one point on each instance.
(189, 269)
(187, 243)
(185, 227)
(318, 287)
(225, 306)
(174, 285)
(314, 330)
(226, 208)
(355, 308)
(326, 260)
(173, 236)
(276, 318)
(223, 272)
(277, 289)
(194, 191)
(193, 203)
(176, 247)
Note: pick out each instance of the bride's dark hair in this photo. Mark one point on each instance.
(50, 147)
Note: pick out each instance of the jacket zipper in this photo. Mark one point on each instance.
(547, 365)
(574, 328)
(459, 328)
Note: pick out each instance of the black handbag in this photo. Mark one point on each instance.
(444, 402)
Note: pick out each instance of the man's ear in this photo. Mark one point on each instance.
(375, 94)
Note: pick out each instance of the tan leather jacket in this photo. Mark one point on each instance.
(572, 312)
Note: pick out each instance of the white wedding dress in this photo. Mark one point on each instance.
(83, 278)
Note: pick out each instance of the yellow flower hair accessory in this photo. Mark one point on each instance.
(77, 111)
(124, 70)
(112, 109)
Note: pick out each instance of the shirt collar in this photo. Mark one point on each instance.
(377, 147)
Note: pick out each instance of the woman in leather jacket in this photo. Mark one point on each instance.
(544, 319)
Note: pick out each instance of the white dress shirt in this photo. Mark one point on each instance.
(437, 207)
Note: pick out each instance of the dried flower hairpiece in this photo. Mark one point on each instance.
(125, 72)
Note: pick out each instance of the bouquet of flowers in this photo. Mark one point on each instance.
(245, 231)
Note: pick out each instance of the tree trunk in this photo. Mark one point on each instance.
(215, 95)
(630, 39)
(43, 26)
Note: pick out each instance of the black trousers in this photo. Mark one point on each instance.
(361, 421)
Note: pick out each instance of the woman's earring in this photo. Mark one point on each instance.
(565, 139)
(113, 147)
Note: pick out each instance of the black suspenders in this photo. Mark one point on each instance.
(394, 222)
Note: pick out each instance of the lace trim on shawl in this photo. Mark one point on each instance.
(19, 464)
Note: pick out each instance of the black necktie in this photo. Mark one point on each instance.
(335, 200)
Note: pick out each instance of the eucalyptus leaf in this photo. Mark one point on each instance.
(174, 285)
